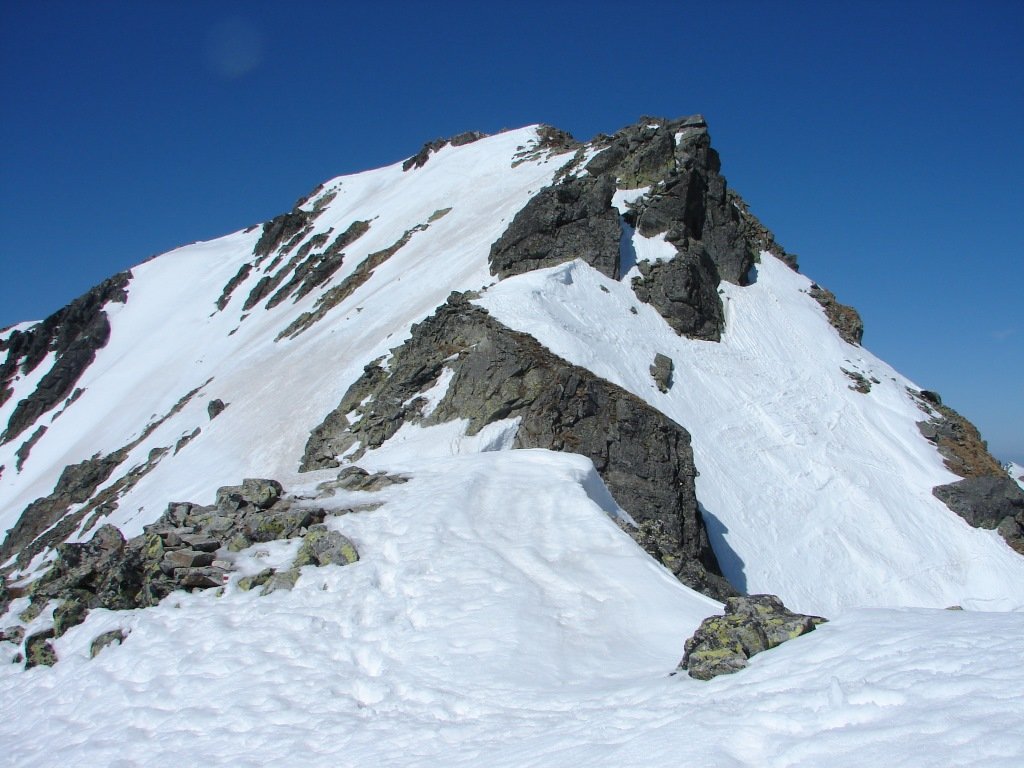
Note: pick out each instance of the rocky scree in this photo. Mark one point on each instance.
(987, 497)
(186, 548)
(499, 374)
(752, 624)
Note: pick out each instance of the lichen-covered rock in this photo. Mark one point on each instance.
(497, 373)
(38, 651)
(750, 625)
(570, 220)
(283, 580)
(113, 637)
(253, 491)
(321, 546)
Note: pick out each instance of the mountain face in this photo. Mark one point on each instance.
(527, 327)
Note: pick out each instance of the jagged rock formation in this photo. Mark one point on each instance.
(723, 644)
(496, 374)
(987, 497)
(72, 334)
(574, 219)
(688, 202)
(661, 372)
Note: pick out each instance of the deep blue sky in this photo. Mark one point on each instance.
(880, 141)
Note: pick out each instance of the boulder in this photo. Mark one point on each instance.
(321, 546)
(752, 624)
(661, 372)
(38, 651)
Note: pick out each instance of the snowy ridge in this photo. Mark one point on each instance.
(176, 342)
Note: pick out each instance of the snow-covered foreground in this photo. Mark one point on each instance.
(499, 617)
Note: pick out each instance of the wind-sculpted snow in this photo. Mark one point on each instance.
(497, 615)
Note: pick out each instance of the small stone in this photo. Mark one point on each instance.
(186, 558)
(281, 580)
(13, 634)
(117, 636)
(256, 580)
(661, 372)
(215, 408)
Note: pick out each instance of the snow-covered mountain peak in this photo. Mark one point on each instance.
(525, 381)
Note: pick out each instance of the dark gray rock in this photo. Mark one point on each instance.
(280, 229)
(571, 220)
(684, 290)
(113, 637)
(661, 372)
(73, 334)
(644, 458)
(240, 277)
(26, 448)
(420, 158)
(215, 408)
(723, 644)
(984, 502)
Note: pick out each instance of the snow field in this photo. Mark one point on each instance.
(499, 617)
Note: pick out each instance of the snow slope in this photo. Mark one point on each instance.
(812, 490)
(167, 339)
(498, 617)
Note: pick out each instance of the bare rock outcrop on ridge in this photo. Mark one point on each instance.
(497, 373)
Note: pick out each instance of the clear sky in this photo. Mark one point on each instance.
(881, 141)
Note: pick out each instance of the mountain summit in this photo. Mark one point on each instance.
(439, 398)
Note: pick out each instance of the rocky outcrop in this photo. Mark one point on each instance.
(845, 319)
(497, 374)
(987, 497)
(48, 520)
(571, 220)
(73, 334)
(420, 158)
(689, 201)
(684, 291)
(179, 551)
(317, 268)
(752, 624)
(280, 230)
